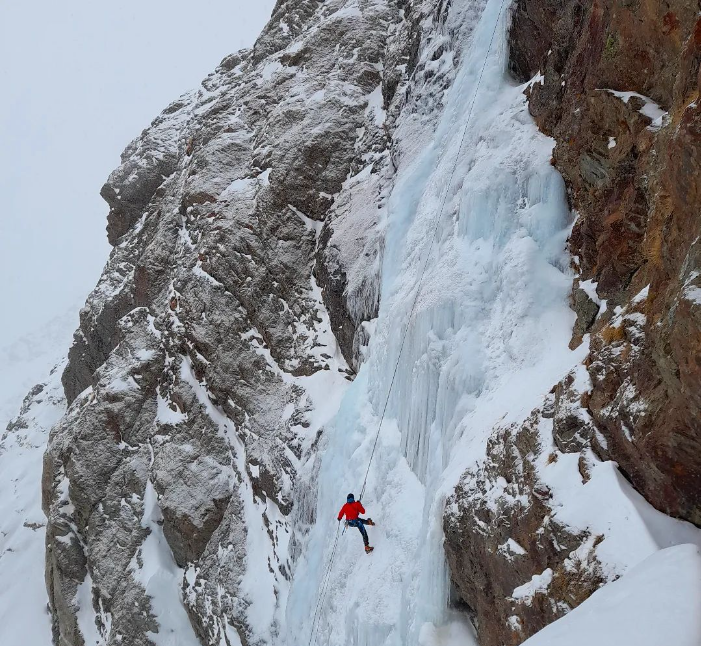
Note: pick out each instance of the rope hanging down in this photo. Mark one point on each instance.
(327, 573)
(324, 583)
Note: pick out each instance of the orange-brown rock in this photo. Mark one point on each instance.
(634, 181)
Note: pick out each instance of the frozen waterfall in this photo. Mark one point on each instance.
(487, 339)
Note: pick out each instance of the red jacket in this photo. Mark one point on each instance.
(351, 510)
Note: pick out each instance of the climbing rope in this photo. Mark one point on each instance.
(324, 583)
(327, 574)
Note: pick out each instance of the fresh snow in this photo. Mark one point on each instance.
(642, 295)
(85, 613)
(538, 78)
(589, 288)
(24, 617)
(632, 529)
(161, 578)
(351, 11)
(692, 292)
(656, 603)
(650, 109)
(269, 69)
(511, 548)
(166, 415)
(538, 583)
(376, 105)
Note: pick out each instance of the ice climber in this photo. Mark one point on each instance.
(352, 509)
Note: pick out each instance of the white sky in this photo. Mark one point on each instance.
(79, 79)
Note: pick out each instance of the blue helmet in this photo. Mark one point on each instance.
(350, 498)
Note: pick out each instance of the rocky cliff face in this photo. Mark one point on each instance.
(616, 85)
(626, 125)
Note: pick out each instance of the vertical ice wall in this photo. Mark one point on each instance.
(487, 339)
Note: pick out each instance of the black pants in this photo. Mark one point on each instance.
(360, 525)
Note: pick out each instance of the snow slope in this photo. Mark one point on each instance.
(24, 617)
(656, 603)
(27, 360)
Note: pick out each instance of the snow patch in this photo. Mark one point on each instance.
(589, 288)
(166, 415)
(161, 578)
(375, 109)
(656, 603)
(650, 109)
(642, 295)
(539, 583)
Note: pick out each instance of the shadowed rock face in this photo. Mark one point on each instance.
(633, 177)
(631, 164)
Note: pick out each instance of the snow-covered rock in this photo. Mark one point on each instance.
(655, 603)
(206, 364)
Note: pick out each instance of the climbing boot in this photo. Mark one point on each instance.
(369, 549)
(369, 522)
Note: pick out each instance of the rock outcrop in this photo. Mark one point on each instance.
(616, 84)
(513, 562)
